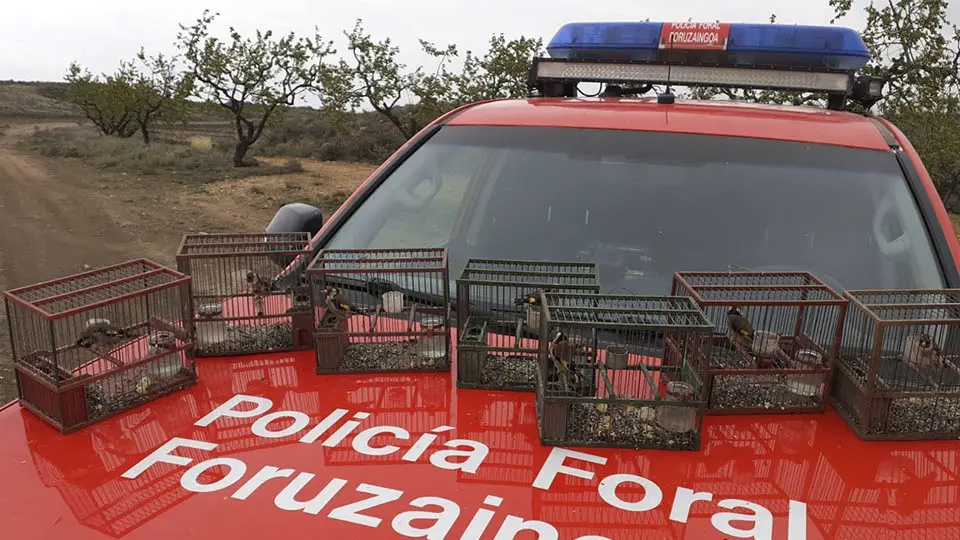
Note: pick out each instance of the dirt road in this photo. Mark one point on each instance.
(58, 216)
(53, 225)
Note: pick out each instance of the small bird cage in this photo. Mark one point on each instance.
(498, 317)
(249, 291)
(621, 371)
(897, 374)
(91, 345)
(776, 339)
(381, 310)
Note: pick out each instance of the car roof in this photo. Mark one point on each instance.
(787, 123)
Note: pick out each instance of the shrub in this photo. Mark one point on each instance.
(185, 162)
(365, 138)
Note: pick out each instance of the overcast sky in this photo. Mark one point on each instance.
(39, 38)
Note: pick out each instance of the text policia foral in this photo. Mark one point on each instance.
(432, 517)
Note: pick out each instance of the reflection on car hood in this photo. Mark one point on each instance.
(806, 474)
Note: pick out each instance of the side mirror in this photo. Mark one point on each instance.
(294, 218)
(297, 217)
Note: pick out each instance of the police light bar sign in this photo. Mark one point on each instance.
(695, 36)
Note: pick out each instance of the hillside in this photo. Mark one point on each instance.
(20, 100)
(301, 132)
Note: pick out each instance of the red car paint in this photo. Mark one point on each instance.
(781, 477)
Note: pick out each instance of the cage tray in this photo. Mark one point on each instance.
(245, 337)
(623, 427)
(923, 415)
(509, 371)
(387, 356)
(771, 392)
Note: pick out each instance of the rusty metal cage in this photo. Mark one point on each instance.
(776, 339)
(621, 371)
(897, 375)
(247, 300)
(381, 310)
(498, 317)
(94, 344)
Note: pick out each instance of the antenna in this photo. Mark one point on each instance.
(667, 97)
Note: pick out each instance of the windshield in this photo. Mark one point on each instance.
(644, 205)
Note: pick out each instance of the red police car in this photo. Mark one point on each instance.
(644, 187)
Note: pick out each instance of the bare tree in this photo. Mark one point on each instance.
(253, 78)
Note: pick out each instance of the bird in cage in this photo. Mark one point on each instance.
(338, 309)
(143, 385)
(101, 335)
(529, 299)
(562, 351)
(530, 303)
(923, 353)
(259, 287)
(739, 324)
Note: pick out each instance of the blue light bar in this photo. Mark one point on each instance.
(771, 45)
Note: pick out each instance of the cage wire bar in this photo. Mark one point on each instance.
(898, 376)
(776, 339)
(94, 344)
(498, 317)
(243, 305)
(381, 310)
(621, 371)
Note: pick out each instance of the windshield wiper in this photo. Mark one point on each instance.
(377, 287)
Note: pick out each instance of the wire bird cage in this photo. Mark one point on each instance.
(248, 295)
(776, 339)
(381, 310)
(897, 375)
(498, 317)
(94, 344)
(621, 371)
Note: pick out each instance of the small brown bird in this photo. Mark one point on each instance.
(924, 354)
(337, 310)
(259, 287)
(739, 324)
(562, 351)
(102, 335)
(529, 299)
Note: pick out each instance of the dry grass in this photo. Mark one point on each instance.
(190, 162)
(201, 143)
(237, 202)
